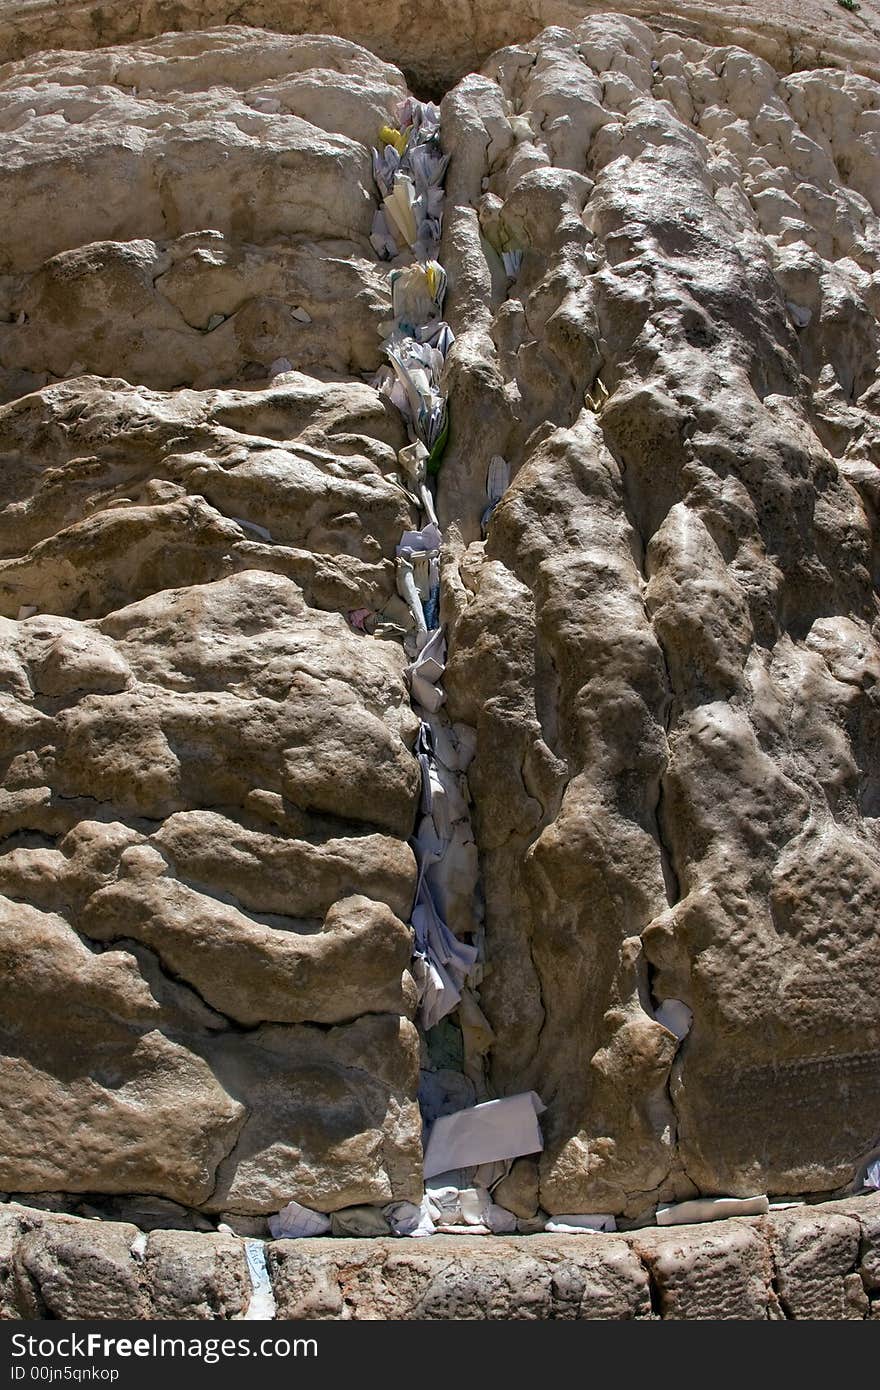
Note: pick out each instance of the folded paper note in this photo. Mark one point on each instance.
(499, 1129)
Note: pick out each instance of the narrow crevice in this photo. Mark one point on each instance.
(656, 819)
(671, 879)
(654, 1292)
(774, 1287)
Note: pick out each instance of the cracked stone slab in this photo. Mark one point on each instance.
(453, 1277)
(59, 1265)
(723, 1272)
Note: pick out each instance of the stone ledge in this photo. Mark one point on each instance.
(807, 1262)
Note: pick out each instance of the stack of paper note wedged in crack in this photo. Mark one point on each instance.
(418, 583)
(469, 1152)
(710, 1209)
(506, 243)
(447, 960)
(444, 913)
(261, 1306)
(497, 482)
(471, 1148)
(409, 166)
(446, 886)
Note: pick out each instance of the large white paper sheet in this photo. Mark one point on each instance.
(498, 1129)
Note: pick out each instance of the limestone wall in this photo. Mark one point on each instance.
(666, 642)
(809, 1262)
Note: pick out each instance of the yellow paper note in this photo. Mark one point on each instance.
(389, 136)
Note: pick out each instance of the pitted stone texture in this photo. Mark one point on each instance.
(667, 641)
(210, 215)
(719, 1271)
(208, 780)
(291, 949)
(815, 1253)
(356, 964)
(196, 1277)
(870, 1248)
(332, 1118)
(200, 311)
(518, 1191)
(10, 1294)
(256, 712)
(195, 155)
(326, 1117)
(453, 1277)
(67, 1268)
(84, 1102)
(112, 492)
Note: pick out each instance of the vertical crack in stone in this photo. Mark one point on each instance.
(671, 672)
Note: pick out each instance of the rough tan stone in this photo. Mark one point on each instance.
(151, 166)
(83, 1102)
(518, 1192)
(194, 1276)
(10, 1229)
(870, 1249)
(332, 1117)
(208, 777)
(181, 289)
(130, 492)
(61, 1266)
(814, 1253)
(68, 1268)
(719, 1271)
(666, 641)
(454, 1277)
(356, 964)
(451, 39)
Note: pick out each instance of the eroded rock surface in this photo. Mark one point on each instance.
(453, 37)
(667, 640)
(208, 776)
